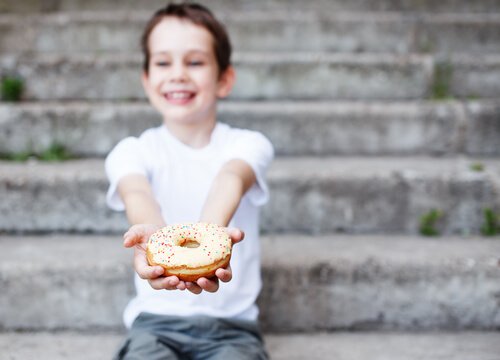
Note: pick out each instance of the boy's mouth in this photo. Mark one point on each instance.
(179, 97)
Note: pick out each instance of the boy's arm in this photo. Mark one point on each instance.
(144, 214)
(140, 204)
(231, 183)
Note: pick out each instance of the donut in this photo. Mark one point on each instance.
(190, 250)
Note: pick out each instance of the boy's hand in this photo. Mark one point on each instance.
(137, 236)
(224, 275)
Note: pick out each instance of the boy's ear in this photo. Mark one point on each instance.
(226, 82)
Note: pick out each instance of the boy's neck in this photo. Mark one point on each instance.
(195, 136)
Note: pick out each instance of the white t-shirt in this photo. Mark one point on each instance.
(181, 177)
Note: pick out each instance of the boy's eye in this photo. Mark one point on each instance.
(195, 63)
(162, 63)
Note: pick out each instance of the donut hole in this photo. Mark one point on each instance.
(189, 243)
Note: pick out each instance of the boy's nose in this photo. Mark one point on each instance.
(178, 73)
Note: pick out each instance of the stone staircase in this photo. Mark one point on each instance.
(380, 111)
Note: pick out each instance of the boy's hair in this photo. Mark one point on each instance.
(198, 15)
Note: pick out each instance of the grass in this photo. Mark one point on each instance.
(491, 225)
(442, 80)
(11, 88)
(429, 222)
(54, 153)
(477, 167)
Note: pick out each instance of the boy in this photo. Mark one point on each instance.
(191, 169)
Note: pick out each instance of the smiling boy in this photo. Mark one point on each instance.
(191, 168)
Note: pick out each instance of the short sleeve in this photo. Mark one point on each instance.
(126, 158)
(255, 149)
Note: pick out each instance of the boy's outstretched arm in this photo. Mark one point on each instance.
(140, 204)
(231, 183)
(144, 213)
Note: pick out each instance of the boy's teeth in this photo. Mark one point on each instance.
(178, 95)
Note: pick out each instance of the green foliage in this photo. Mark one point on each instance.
(491, 225)
(54, 153)
(477, 166)
(429, 222)
(442, 80)
(17, 157)
(11, 88)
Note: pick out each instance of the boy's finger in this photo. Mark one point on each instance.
(144, 270)
(138, 233)
(132, 237)
(224, 275)
(193, 287)
(149, 272)
(208, 285)
(236, 234)
(181, 286)
(164, 283)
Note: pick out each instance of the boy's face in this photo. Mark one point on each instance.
(183, 83)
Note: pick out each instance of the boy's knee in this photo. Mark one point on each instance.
(145, 346)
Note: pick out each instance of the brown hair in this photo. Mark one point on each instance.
(198, 15)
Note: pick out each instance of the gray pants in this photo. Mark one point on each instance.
(159, 337)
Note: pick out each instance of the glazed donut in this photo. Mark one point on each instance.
(190, 250)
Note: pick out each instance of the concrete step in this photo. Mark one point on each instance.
(315, 346)
(295, 128)
(311, 195)
(260, 76)
(311, 76)
(356, 195)
(114, 31)
(315, 283)
(460, 6)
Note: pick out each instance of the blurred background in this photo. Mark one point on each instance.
(381, 239)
